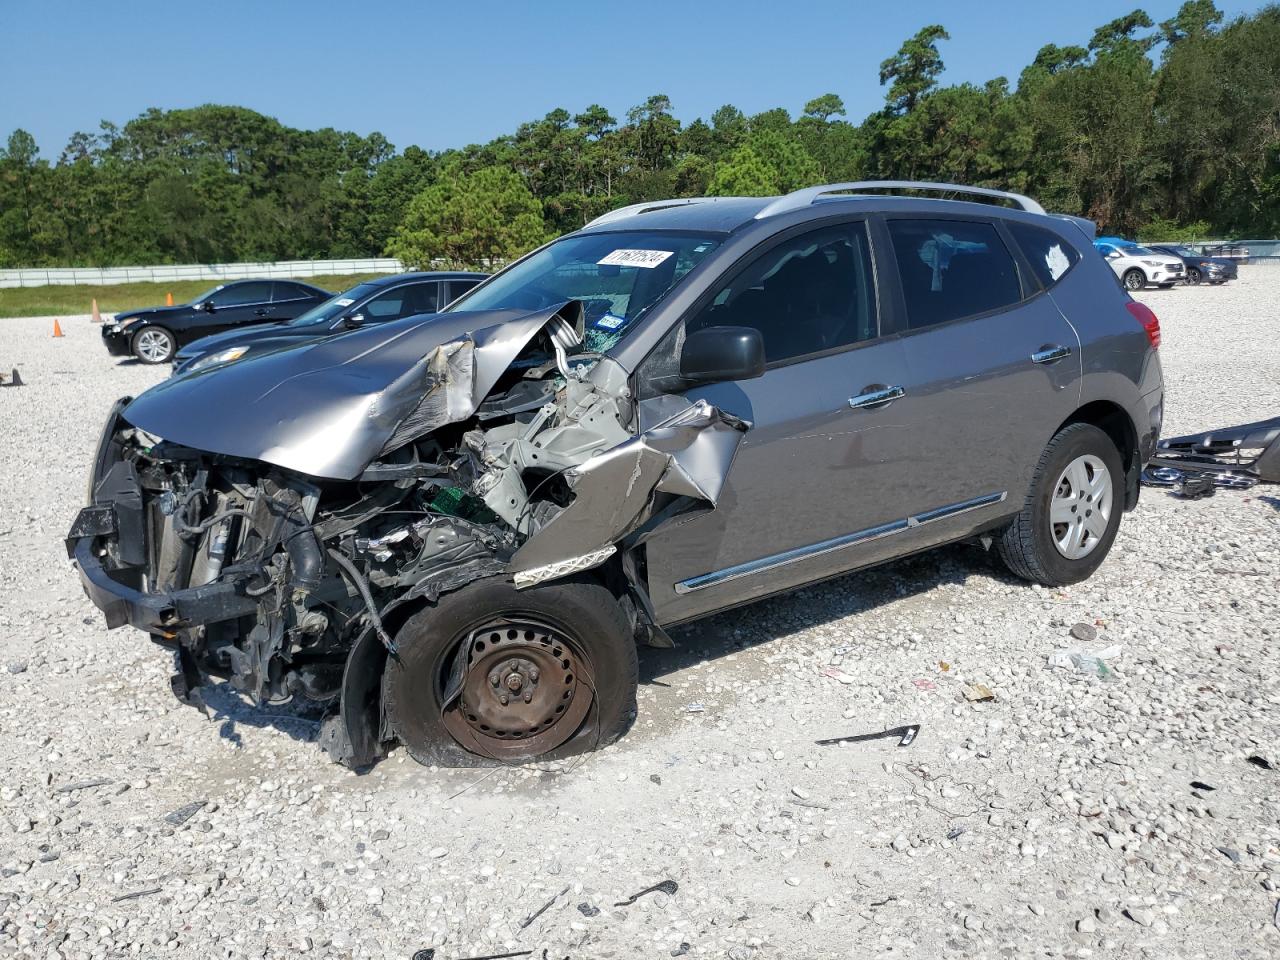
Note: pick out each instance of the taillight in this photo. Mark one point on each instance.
(1150, 322)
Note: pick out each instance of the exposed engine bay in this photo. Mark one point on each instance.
(508, 457)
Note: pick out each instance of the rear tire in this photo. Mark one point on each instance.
(439, 698)
(1134, 279)
(152, 345)
(1079, 483)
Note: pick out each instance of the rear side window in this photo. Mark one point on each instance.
(290, 291)
(1049, 255)
(458, 287)
(810, 294)
(952, 269)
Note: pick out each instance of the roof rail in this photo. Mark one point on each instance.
(798, 199)
(645, 207)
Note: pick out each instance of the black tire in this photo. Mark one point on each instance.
(583, 613)
(1027, 546)
(143, 341)
(1134, 279)
(1193, 276)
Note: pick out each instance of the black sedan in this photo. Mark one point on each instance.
(154, 334)
(1199, 268)
(374, 301)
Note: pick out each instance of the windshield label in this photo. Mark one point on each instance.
(345, 302)
(610, 322)
(635, 258)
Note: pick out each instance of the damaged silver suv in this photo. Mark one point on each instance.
(455, 528)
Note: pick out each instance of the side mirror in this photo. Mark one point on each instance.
(353, 321)
(717, 354)
(208, 306)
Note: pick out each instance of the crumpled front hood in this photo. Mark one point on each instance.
(329, 408)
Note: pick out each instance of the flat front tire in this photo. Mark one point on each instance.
(495, 675)
(1069, 520)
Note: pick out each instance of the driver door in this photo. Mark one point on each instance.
(804, 499)
(238, 305)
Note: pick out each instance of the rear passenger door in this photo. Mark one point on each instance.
(992, 367)
(288, 300)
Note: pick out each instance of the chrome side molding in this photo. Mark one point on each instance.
(796, 554)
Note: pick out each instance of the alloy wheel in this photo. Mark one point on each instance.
(153, 345)
(1080, 508)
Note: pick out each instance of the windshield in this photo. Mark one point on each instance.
(1183, 251)
(333, 307)
(617, 276)
(1137, 251)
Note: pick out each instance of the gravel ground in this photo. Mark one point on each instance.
(1064, 818)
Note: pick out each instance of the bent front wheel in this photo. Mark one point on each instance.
(492, 674)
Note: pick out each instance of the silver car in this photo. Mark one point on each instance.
(455, 529)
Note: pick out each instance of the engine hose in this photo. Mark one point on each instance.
(362, 587)
(186, 529)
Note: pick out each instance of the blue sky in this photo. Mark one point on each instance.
(442, 75)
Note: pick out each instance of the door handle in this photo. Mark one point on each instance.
(1049, 353)
(876, 396)
(261, 312)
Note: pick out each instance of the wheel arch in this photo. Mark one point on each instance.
(1114, 421)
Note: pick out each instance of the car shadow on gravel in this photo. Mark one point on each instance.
(299, 719)
(854, 593)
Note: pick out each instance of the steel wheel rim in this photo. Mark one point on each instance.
(1080, 507)
(153, 345)
(546, 683)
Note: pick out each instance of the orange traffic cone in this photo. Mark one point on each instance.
(97, 317)
(57, 328)
(168, 299)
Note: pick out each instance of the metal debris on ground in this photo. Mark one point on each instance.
(135, 895)
(1230, 854)
(185, 813)
(978, 693)
(905, 736)
(13, 381)
(1082, 661)
(1198, 785)
(681, 950)
(1251, 449)
(543, 909)
(1193, 484)
(955, 833)
(669, 887)
(82, 785)
(587, 910)
(1258, 761)
(696, 707)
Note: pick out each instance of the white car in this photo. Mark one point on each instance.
(1137, 266)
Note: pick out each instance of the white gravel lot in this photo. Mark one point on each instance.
(1059, 820)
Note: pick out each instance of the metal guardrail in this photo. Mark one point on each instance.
(68, 276)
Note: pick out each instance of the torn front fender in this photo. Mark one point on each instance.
(688, 455)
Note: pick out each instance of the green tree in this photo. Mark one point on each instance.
(470, 219)
(914, 69)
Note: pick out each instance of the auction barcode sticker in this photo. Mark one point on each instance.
(635, 258)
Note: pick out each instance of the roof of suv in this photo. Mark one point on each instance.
(726, 214)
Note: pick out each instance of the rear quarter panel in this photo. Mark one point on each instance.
(1118, 363)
